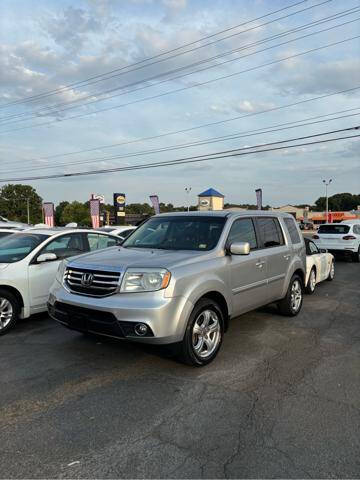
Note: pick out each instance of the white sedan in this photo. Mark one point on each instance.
(122, 231)
(319, 266)
(28, 264)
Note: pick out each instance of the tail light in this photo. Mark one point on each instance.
(349, 237)
(316, 237)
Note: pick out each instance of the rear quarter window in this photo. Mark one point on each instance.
(292, 229)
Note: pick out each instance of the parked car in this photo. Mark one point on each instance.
(319, 266)
(4, 222)
(340, 238)
(306, 225)
(180, 277)
(121, 231)
(4, 232)
(28, 264)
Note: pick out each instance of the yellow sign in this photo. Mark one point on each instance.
(120, 199)
(121, 214)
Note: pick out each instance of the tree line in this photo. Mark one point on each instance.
(14, 201)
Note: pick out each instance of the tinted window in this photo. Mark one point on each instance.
(106, 229)
(177, 233)
(4, 234)
(335, 229)
(17, 246)
(270, 231)
(243, 230)
(293, 231)
(311, 248)
(65, 246)
(125, 233)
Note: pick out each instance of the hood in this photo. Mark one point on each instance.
(120, 258)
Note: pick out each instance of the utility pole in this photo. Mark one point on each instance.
(188, 190)
(28, 211)
(326, 197)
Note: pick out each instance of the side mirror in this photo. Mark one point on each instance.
(322, 250)
(46, 257)
(240, 248)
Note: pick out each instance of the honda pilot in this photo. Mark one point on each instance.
(180, 277)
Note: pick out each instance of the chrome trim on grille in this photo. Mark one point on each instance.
(103, 284)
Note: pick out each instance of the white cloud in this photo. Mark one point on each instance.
(312, 77)
(175, 4)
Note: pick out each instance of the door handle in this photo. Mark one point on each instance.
(260, 264)
(287, 257)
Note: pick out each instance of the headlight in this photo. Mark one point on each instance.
(145, 279)
(61, 271)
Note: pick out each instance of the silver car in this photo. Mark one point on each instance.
(180, 277)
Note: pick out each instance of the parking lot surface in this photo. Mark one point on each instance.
(282, 399)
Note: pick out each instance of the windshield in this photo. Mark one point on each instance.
(178, 233)
(339, 229)
(17, 246)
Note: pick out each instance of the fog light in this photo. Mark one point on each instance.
(141, 329)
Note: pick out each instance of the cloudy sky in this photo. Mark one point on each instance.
(56, 101)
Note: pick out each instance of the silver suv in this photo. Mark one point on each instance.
(180, 277)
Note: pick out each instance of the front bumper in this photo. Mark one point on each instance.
(117, 315)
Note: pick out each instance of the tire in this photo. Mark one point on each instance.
(310, 287)
(200, 345)
(356, 256)
(289, 305)
(331, 275)
(9, 311)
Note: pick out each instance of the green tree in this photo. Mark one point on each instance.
(14, 200)
(338, 202)
(58, 212)
(76, 212)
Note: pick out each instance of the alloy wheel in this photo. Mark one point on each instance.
(206, 333)
(312, 280)
(296, 296)
(6, 312)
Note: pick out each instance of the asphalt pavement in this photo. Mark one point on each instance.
(282, 399)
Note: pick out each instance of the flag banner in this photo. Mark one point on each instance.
(258, 192)
(155, 203)
(48, 208)
(95, 212)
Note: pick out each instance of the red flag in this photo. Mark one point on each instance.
(95, 212)
(48, 208)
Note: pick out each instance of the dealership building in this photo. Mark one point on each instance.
(305, 214)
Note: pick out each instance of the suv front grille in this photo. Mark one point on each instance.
(94, 283)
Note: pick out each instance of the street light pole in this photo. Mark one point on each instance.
(188, 190)
(326, 197)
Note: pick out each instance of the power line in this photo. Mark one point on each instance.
(49, 109)
(79, 83)
(199, 158)
(189, 86)
(270, 129)
(205, 125)
(55, 110)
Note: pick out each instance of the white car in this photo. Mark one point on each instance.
(121, 231)
(4, 232)
(28, 264)
(340, 238)
(319, 266)
(4, 222)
